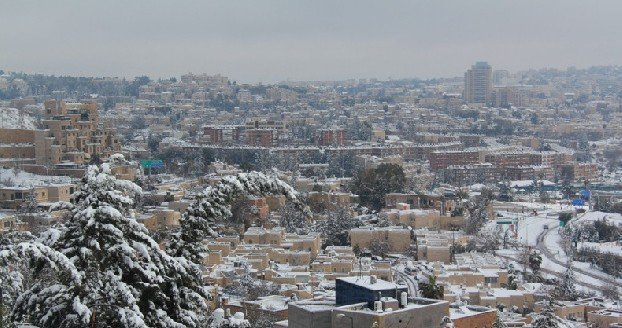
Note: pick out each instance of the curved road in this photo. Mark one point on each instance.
(557, 274)
(410, 283)
(546, 252)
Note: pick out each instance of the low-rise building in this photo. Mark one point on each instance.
(398, 239)
(367, 302)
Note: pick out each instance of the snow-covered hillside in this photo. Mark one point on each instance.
(11, 118)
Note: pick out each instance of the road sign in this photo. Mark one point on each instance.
(152, 163)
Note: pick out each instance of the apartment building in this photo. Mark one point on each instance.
(72, 132)
(217, 134)
(444, 159)
(478, 83)
(330, 137)
(14, 197)
(397, 238)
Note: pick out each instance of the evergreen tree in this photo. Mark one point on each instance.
(565, 289)
(341, 164)
(379, 247)
(335, 227)
(119, 275)
(292, 220)
(48, 263)
(512, 281)
(13, 276)
(30, 204)
(212, 206)
(430, 289)
(547, 318)
(535, 260)
(374, 184)
(477, 214)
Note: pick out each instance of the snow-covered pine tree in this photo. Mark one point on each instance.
(125, 279)
(566, 289)
(335, 226)
(429, 288)
(30, 204)
(292, 220)
(12, 267)
(55, 272)
(213, 205)
(547, 318)
(535, 260)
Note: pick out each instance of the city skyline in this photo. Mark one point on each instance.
(275, 41)
(325, 164)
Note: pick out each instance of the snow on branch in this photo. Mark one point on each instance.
(213, 205)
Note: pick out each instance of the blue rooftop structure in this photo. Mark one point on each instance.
(358, 289)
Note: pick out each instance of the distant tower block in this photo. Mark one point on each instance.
(478, 83)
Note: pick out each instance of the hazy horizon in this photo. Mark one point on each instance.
(273, 40)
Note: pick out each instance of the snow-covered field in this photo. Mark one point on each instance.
(611, 247)
(605, 247)
(596, 215)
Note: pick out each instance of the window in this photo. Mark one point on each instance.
(490, 280)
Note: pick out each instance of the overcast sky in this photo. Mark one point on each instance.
(272, 40)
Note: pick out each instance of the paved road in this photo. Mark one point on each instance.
(557, 275)
(546, 252)
(410, 283)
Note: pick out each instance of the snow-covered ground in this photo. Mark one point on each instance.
(611, 247)
(614, 218)
(552, 270)
(11, 118)
(584, 272)
(532, 218)
(540, 229)
(529, 228)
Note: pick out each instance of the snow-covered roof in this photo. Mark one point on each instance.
(9, 177)
(467, 311)
(364, 281)
(528, 183)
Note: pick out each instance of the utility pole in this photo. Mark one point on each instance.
(1, 306)
(589, 193)
(453, 247)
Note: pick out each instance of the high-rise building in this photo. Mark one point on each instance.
(478, 83)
